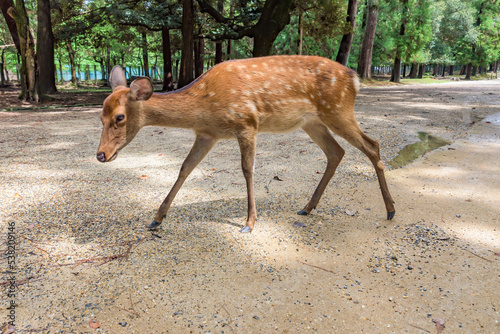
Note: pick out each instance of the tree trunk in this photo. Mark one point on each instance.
(219, 57)
(168, 80)
(468, 71)
(199, 50)
(451, 70)
(186, 72)
(11, 24)
(396, 76)
(145, 57)
(414, 70)
(345, 44)
(71, 54)
(421, 69)
(365, 59)
(474, 71)
(108, 64)
(28, 69)
(275, 16)
(45, 49)
(301, 29)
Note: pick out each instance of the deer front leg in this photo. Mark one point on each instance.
(201, 147)
(247, 143)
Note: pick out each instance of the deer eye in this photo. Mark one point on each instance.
(120, 118)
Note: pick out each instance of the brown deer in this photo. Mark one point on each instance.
(238, 99)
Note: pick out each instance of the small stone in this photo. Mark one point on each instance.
(459, 215)
(256, 317)
(123, 324)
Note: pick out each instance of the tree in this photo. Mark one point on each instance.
(11, 24)
(396, 70)
(274, 16)
(345, 44)
(28, 70)
(187, 60)
(45, 49)
(365, 58)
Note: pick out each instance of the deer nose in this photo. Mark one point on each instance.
(101, 157)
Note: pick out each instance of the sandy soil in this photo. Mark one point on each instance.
(84, 254)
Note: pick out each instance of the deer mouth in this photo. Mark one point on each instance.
(113, 157)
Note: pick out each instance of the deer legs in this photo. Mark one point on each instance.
(320, 134)
(247, 141)
(201, 147)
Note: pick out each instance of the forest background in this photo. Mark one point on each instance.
(45, 42)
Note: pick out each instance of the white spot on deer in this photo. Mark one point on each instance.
(211, 94)
(334, 80)
(318, 70)
(252, 107)
(355, 81)
(342, 94)
(232, 91)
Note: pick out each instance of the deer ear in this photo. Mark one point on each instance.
(117, 78)
(141, 89)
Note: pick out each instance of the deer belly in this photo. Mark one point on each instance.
(287, 119)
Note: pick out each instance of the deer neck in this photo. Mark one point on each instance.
(177, 109)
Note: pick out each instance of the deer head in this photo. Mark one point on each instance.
(121, 113)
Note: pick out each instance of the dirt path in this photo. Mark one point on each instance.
(83, 251)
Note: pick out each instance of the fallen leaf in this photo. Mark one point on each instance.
(93, 324)
(349, 212)
(497, 254)
(299, 224)
(439, 324)
(30, 226)
(277, 178)
(7, 328)
(16, 195)
(144, 177)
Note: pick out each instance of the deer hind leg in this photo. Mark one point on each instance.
(201, 147)
(247, 141)
(320, 134)
(348, 128)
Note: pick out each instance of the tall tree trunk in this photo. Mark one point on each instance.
(199, 50)
(168, 80)
(219, 57)
(396, 72)
(468, 71)
(275, 16)
(108, 64)
(11, 24)
(71, 54)
(414, 70)
(421, 69)
(186, 72)
(2, 77)
(451, 70)
(345, 44)
(28, 70)
(145, 57)
(365, 60)
(228, 49)
(301, 29)
(45, 49)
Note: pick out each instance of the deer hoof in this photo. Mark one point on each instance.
(390, 215)
(302, 213)
(246, 229)
(153, 225)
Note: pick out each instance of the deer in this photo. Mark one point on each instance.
(237, 99)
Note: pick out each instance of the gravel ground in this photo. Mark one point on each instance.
(85, 258)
